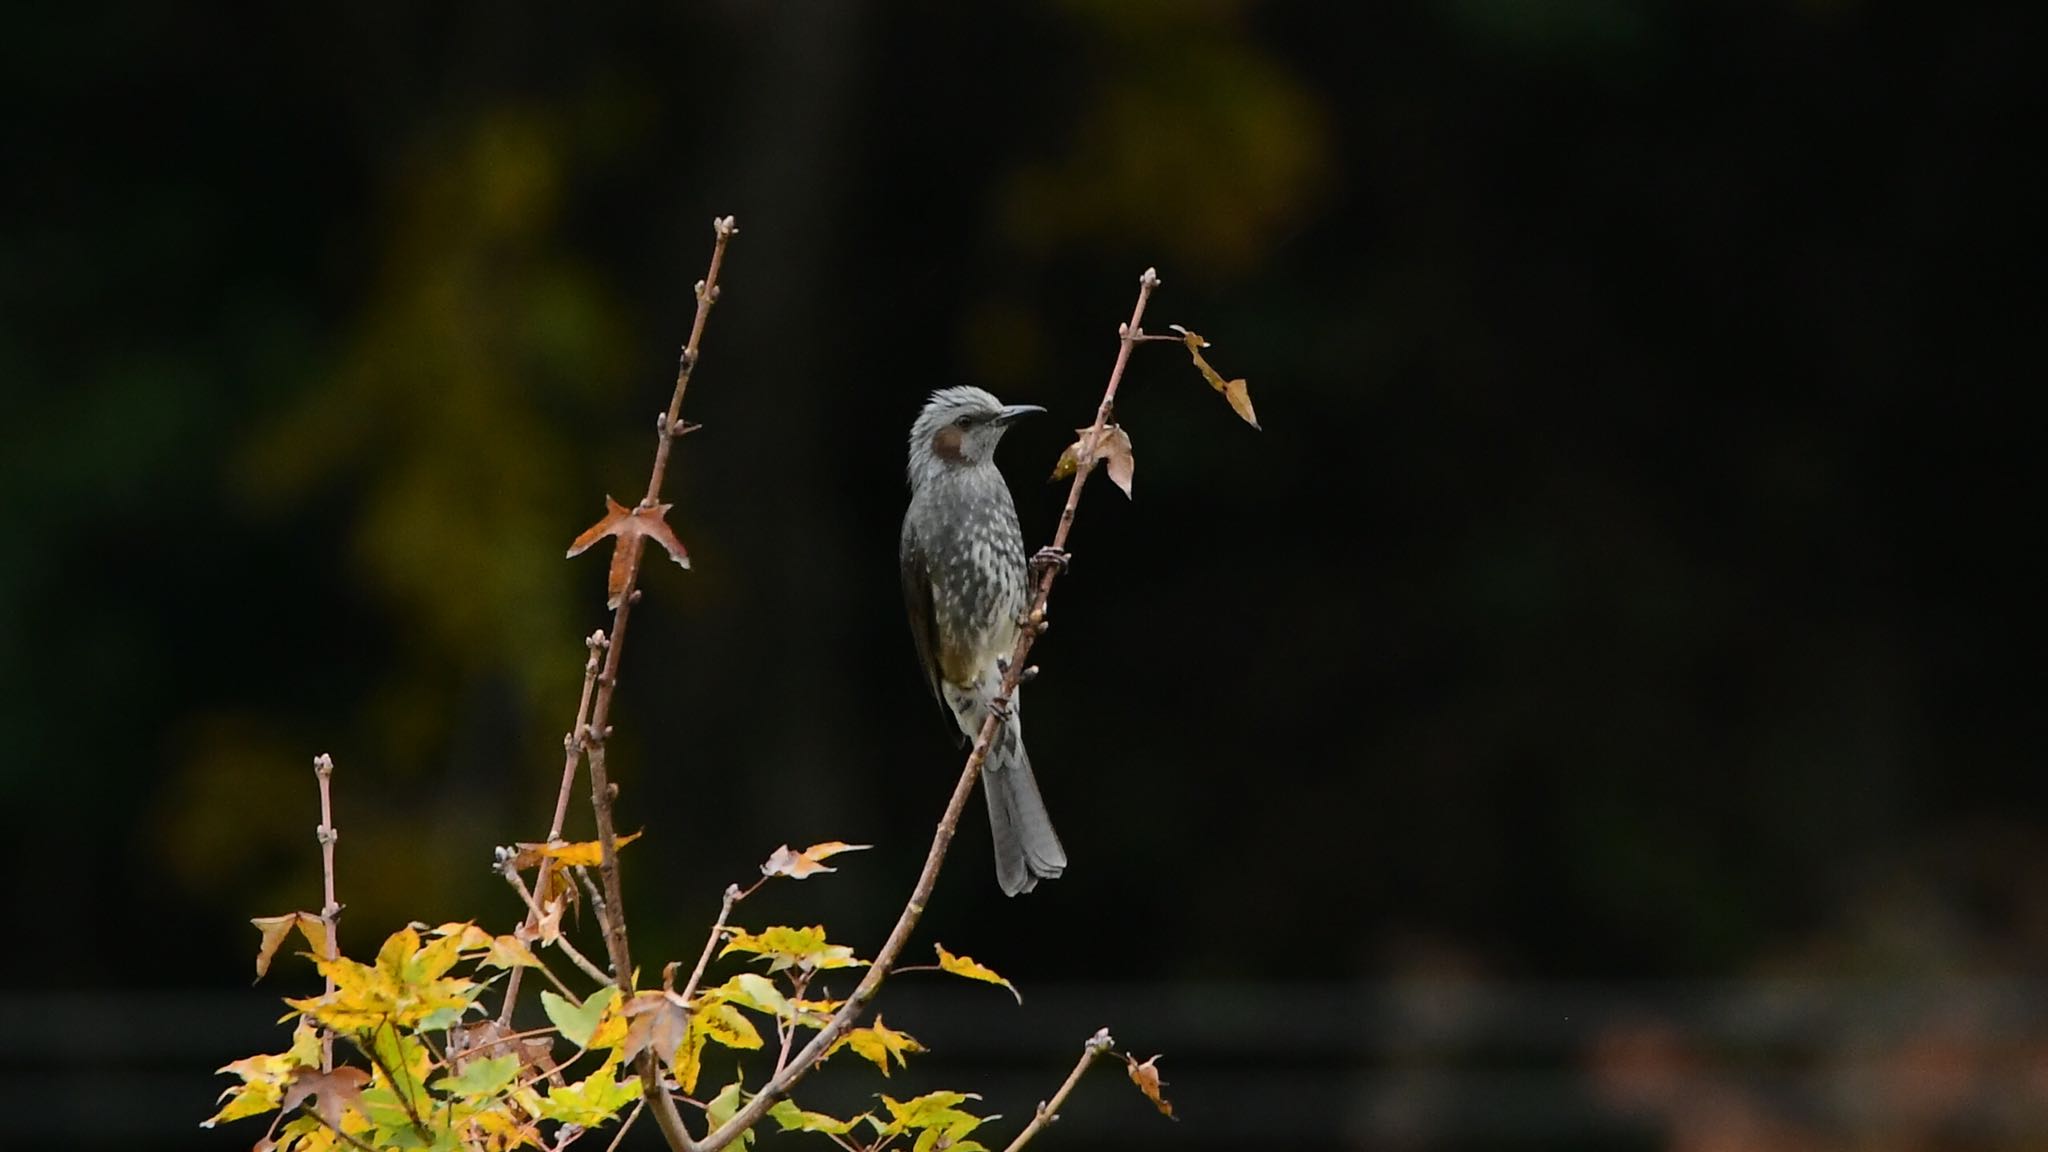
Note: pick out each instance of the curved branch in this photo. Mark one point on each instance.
(885, 960)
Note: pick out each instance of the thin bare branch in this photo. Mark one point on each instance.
(1049, 1110)
(352, 1141)
(598, 908)
(669, 426)
(733, 895)
(330, 910)
(920, 894)
(401, 1086)
(518, 884)
(572, 756)
(627, 1126)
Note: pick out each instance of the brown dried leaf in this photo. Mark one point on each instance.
(547, 926)
(1233, 390)
(488, 1038)
(341, 1088)
(631, 527)
(658, 1020)
(1146, 1077)
(797, 865)
(1112, 447)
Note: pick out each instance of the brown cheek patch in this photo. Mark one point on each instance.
(946, 443)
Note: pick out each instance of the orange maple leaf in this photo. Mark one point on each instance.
(631, 527)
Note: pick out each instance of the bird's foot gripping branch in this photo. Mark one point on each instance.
(405, 1050)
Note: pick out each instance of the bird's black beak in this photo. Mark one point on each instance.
(1011, 412)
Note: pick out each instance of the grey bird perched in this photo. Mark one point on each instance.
(966, 581)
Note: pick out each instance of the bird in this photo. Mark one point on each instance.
(965, 583)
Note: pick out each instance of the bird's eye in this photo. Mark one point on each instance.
(962, 421)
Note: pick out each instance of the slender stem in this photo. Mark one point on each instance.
(707, 295)
(1050, 1110)
(668, 428)
(400, 1087)
(330, 910)
(497, 1042)
(518, 884)
(572, 756)
(352, 1141)
(598, 907)
(786, 1028)
(733, 896)
(1129, 335)
(627, 1126)
(871, 981)
(572, 744)
(599, 729)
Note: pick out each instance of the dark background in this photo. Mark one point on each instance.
(1596, 711)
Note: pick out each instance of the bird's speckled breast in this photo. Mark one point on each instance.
(975, 555)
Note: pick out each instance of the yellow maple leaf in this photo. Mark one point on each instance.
(876, 1043)
(966, 966)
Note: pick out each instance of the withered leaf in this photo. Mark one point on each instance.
(549, 928)
(276, 928)
(487, 1039)
(1233, 390)
(341, 1088)
(658, 1020)
(632, 527)
(797, 865)
(1146, 1077)
(1112, 446)
(581, 853)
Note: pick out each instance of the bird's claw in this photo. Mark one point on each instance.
(1000, 706)
(1049, 557)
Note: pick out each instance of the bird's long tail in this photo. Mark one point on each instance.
(1027, 849)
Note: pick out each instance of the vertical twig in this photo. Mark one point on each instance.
(330, 909)
(733, 895)
(572, 755)
(885, 960)
(1050, 1110)
(1128, 337)
(668, 427)
(594, 734)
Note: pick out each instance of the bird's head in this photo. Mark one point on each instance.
(959, 428)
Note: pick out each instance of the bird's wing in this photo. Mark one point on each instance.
(917, 598)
